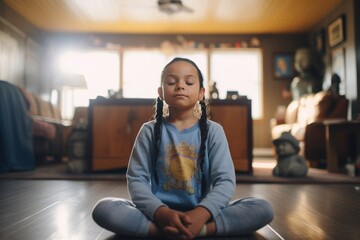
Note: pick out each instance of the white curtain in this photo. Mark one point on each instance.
(8, 57)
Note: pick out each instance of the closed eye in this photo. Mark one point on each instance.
(190, 80)
(170, 80)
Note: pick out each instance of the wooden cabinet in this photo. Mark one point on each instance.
(235, 117)
(114, 124)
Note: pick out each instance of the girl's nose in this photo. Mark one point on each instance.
(179, 86)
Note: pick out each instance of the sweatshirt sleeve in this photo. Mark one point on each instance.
(139, 173)
(221, 171)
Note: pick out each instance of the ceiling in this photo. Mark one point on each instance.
(143, 16)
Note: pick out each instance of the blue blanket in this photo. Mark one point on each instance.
(16, 138)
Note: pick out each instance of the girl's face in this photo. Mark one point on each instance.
(180, 86)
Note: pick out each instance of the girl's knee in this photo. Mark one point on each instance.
(105, 206)
(267, 209)
(99, 209)
(120, 216)
(244, 216)
(261, 207)
(264, 208)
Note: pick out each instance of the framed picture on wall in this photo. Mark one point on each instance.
(283, 65)
(336, 31)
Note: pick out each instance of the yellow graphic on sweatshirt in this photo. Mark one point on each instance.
(180, 166)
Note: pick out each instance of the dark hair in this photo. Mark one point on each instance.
(202, 123)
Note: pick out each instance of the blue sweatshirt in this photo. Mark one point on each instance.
(179, 174)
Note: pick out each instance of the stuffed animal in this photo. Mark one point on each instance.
(289, 162)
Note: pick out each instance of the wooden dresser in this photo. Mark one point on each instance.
(114, 124)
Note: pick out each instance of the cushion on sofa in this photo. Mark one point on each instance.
(322, 106)
(31, 102)
(314, 107)
(291, 112)
(298, 131)
(43, 129)
(279, 129)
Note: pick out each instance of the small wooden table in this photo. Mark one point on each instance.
(332, 128)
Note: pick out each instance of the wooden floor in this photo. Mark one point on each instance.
(44, 209)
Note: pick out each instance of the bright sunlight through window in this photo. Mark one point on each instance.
(232, 70)
(142, 70)
(239, 70)
(101, 70)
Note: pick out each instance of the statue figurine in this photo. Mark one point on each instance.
(335, 84)
(310, 73)
(214, 92)
(289, 162)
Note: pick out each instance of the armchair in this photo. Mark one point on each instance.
(48, 128)
(304, 120)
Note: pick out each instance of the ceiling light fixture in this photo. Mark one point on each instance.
(172, 6)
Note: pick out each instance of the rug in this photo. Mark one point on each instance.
(314, 176)
(262, 173)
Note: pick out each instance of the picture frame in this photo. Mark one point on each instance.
(283, 65)
(319, 41)
(336, 31)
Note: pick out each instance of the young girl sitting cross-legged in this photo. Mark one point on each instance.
(181, 176)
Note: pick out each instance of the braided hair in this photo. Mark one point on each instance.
(202, 124)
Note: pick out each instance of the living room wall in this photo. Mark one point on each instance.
(348, 47)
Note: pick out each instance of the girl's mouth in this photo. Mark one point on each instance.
(179, 95)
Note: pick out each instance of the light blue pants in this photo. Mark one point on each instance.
(243, 216)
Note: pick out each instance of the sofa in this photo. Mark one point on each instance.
(304, 119)
(48, 128)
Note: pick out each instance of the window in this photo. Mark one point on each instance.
(232, 69)
(141, 73)
(101, 70)
(239, 70)
(143, 68)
